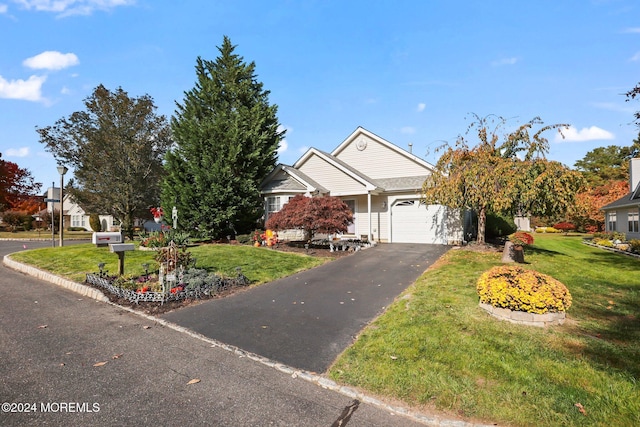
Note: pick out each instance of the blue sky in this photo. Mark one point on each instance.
(408, 71)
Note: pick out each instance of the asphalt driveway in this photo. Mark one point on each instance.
(306, 320)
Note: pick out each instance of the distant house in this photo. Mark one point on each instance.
(622, 215)
(379, 181)
(72, 213)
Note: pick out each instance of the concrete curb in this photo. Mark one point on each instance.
(324, 382)
(79, 288)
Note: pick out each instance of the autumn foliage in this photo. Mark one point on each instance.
(586, 212)
(313, 215)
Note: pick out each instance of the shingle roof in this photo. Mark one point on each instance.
(626, 201)
(402, 183)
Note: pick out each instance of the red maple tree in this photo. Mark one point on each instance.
(313, 215)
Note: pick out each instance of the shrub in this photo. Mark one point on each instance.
(547, 230)
(607, 235)
(634, 246)
(499, 225)
(518, 289)
(619, 236)
(94, 222)
(521, 238)
(603, 242)
(244, 239)
(564, 226)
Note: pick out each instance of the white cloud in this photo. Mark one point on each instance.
(3, 8)
(635, 57)
(51, 60)
(593, 133)
(284, 145)
(65, 90)
(17, 152)
(634, 30)
(72, 7)
(504, 61)
(421, 107)
(409, 130)
(28, 90)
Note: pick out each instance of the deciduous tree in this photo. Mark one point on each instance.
(508, 174)
(116, 147)
(17, 187)
(313, 215)
(227, 137)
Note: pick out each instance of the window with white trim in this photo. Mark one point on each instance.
(632, 217)
(77, 220)
(611, 221)
(273, 204)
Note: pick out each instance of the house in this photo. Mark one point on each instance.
(378, 180)
(622, 215)
(72, 213)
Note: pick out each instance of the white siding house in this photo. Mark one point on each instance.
(623, 214)
(378, 180)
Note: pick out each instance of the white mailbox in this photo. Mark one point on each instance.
(121, 247)
(106, 237)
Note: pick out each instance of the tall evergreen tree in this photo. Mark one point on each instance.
(227, 137)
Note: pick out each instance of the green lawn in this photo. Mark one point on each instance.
(260, 265)
(436, 349)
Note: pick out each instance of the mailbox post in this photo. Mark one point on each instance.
(120, 249)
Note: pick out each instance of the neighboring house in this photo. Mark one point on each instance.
(72, 213)
(622, 215)
(378, 180)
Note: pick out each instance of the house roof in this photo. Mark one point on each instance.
(630, 200)
(369, 183)
(362, 131)
(295, 181)
(291, 179)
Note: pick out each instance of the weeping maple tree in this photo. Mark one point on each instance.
(17, 188)
(508, 174)
(314, 215)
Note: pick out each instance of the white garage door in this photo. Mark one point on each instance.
(414, 222)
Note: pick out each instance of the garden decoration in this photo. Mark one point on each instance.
(158, 214)
(177, 280)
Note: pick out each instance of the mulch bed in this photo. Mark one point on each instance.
(156, 308)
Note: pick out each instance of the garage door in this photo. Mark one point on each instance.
(414, 222)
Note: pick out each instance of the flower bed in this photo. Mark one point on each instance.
(195, 284)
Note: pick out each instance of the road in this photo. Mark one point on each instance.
(72, 361)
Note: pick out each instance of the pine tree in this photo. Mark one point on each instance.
(227, 136)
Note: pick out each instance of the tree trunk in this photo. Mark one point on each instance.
(512, 253)
(482, 221)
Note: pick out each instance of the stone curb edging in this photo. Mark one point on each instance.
(524, 318)
(615, 250)
(324, 382)
(79, 288)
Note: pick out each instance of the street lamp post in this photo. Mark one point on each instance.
(61, 170)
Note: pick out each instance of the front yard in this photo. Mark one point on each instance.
(436, 350)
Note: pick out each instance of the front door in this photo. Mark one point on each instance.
(352, 206)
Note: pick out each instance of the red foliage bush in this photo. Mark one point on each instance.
(313, 214)
(564, 226)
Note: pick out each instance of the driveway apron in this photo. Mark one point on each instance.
(306, 320)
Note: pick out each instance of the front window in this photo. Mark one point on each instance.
(633, 221)
(273, 204)
(611, 221)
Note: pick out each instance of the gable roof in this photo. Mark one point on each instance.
(362, 131)
(295, 181)
(369, 183)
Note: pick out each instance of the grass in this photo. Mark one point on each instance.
(260, 265)
(436, 349)
(44, 235)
